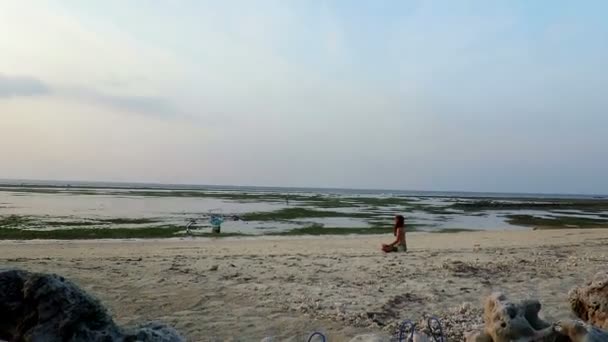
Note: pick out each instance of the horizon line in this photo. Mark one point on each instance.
(10, 180)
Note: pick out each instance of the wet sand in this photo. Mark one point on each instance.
(248, 288)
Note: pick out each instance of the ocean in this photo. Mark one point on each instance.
(270, 210)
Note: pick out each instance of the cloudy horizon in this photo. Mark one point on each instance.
(502, 96)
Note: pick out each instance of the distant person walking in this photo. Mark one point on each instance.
(399, 245)
(216, 223)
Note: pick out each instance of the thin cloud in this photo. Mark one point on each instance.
(18, 86)
(136, 104)
(12, 86)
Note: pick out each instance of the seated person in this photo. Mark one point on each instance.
(399, 245)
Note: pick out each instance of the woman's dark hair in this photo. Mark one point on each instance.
(399, 221)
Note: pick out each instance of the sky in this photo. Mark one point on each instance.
(498, 96)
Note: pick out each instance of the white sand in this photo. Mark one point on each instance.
(287, 287)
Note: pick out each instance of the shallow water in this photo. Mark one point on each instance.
(112, 203)
(337, 222)
(123, 206)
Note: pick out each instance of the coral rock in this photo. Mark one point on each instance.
(43, 307)
(590, 302)
(581, 332)
(506, 321)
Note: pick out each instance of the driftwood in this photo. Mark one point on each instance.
(46, 307)
(590, 302)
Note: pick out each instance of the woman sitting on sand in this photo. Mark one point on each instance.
(399, 244)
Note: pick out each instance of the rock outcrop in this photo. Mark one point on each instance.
(506, 321)
(45, 307)
(590, 302)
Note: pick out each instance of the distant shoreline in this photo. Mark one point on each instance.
(8, 183)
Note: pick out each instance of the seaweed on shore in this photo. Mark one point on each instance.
(11, 221)
(586, 205)
(299, 212)
(556, 221)
(318, 229)
(169, 231)
(122, 220)
(90, 233)
(21, 221)
(67, 223)
(455, 230)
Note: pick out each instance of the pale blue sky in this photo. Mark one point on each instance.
(426, 95)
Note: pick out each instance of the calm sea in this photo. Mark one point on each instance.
(336, 191)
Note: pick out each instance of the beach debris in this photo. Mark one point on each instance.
(506, 321)
(190, 225)
(48, 307)
(590, 302)
(577, 331)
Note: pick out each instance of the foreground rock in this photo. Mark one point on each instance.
(575, 331)
(43, 307)
(506, 321)
(590, 302)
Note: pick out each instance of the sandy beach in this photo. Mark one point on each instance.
(248, 288)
